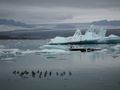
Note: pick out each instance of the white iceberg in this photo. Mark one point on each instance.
(93, 35)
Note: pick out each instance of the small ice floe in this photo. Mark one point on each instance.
(8, 54)
(28, 51)
(103, 50)
(62, 47)
(115, 55)
(7, 59)
(113, 51)
(9, 51)
(116, 47)
(54, 51)
(17, 52)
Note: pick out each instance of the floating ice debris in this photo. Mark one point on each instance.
(115, 56)
(113, 36)
(9, 54)
(55, 51)
(113, 51)
(28, 51)
(103, 50)
(7, 59)
(63, 47)
(116, 47)
(14, 52)
(93, 35)
(9, 50)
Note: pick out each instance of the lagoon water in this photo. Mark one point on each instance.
(98, 70)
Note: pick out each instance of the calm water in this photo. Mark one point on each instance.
(57, 69)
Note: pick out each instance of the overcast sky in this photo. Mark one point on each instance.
(57, 11)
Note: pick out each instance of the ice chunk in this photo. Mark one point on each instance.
(58, 40)
(63, 47)
(99, 31)
(113, 36)
(116, 47)
(94, 35)
(53, 51)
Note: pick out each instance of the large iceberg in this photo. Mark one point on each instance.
(93, 35)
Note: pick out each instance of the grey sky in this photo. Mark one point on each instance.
(53, 11)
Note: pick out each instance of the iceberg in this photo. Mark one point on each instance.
(93, 35)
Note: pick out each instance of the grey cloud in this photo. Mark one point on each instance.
(65, 3)
(34, 14)
(43, 11)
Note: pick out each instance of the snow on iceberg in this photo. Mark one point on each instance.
(75, 37)
(93, 35)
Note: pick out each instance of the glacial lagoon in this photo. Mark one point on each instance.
(25, 66)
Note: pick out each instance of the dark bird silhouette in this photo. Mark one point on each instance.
(45, 74)
(61, 74)
(70, 73)
(38, 71)
(57, 73)
(18, 72)
(22, 73)
(40, 75)
(26, 72)
(14, 72)
(50, 73)
(33, 74)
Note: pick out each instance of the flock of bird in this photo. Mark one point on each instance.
(40, 74)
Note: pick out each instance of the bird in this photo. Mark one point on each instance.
(57, 73)
(33, 74)
(63, 73)
(45, 74)
(26, 72)
(70, 73)
(18, 72)
(40, 74)
(50, 73)
(14, 72)
(38, 71)
(22, 73)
